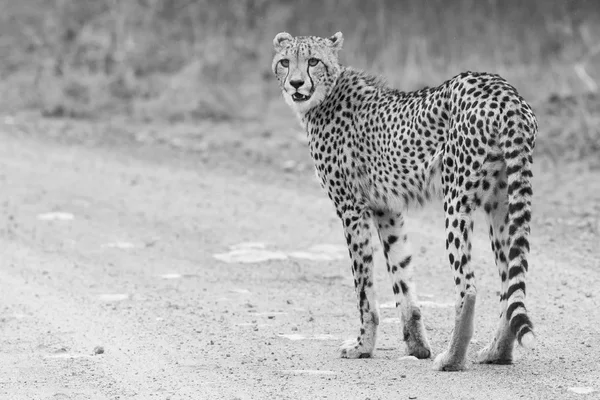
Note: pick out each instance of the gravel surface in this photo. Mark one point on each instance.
(128, 275)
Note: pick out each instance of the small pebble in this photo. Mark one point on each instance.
(98, 350)
(289, 165)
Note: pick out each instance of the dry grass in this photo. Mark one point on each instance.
(190, 60)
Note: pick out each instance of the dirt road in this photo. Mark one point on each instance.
(108, 252)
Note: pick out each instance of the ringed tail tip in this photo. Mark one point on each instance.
(528, 341)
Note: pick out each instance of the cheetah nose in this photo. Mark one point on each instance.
(296, 84)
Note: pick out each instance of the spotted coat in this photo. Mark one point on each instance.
(379, 151)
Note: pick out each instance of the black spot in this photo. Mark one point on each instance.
(513, 307)
(514, 288)
(514, 253)
(404, 287)
(463, 260)
(404, 263)
(519, 321)
(522, 331)
(515, 271)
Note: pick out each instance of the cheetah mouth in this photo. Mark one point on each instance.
(299, 97)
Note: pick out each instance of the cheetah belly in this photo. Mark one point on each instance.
(399, 188)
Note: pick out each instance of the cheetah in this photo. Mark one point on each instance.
(379, 151)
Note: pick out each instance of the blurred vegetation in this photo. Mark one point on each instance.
(190, 60)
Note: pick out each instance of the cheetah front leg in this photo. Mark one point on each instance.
(358, 238)
(458, 244)
(398, 258)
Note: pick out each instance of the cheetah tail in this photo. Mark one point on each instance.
(518, 157)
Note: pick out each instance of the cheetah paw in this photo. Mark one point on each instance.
(354, 349)
(445, 362)
(491, 355)
(419, 350)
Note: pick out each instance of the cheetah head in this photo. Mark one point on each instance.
(306, 67)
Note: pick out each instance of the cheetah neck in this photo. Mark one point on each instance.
(304, 114)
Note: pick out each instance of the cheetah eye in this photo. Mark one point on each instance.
(285, 63)
(313, 61)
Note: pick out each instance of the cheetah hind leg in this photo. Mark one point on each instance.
(500, 349)
(452, 359)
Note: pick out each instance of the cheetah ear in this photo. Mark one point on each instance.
(336, 41)
(280, 39)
